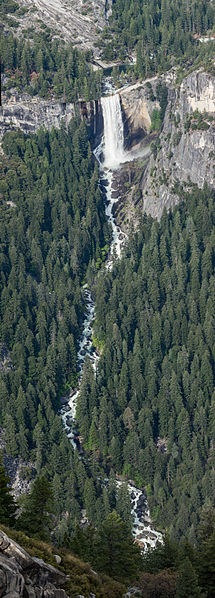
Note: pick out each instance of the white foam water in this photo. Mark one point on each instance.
(114, 153)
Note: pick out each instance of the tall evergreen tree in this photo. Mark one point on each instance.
(187, 582)
(206, 565)
(36, 518)
(8, 506)
(116, 553)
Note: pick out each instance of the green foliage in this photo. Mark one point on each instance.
(116, 554)
(197, 121)
(164, 556)
(155, 120)
(48, 68)
(187, 582)
(159, 585)
(8, 6)
(162, 96)
(36, 518)
(8, 506)
(53, 225)
(205, 559)
(155, 377)
(162, 33)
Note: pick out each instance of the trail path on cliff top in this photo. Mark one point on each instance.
(126, 88)
(167, 76)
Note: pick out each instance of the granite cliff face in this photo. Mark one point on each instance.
(137, 107)
(185, 152)
(24, 576)
(138, 102)
(27, 114)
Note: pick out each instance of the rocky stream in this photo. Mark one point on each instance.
(110, 155)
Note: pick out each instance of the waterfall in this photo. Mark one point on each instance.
(113, 149)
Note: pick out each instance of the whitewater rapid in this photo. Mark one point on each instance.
(110, 154)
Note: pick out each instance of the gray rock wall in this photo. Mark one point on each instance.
(29, 114)
(78, 22)
(187, 154)
(137, 108)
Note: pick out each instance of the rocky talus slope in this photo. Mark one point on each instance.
(185, 154)
(23, 575)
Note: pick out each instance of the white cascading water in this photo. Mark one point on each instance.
(114, 153)
(112, 148)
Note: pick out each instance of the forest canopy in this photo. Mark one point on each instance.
(53, 227)
(47, 67)
(154, 394)
(160, 32)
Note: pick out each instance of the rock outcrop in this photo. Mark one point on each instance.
(138, 102)
(185, 153)
(24, 576)
(137, 106)
(29, 114)
(6, 363)
(78, 22)
(21, 473)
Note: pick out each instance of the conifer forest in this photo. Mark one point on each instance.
(107, 298)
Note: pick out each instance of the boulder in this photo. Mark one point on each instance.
(22, 575)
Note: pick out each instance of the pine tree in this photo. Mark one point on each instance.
(36, 518)
(206, 565)
(187, 582)
(7, 504)
(116, 553)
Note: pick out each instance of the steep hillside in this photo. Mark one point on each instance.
(30, 571)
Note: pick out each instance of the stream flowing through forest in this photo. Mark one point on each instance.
(110, 155)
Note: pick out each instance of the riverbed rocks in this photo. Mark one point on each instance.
(133, 593)
(22, 575)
